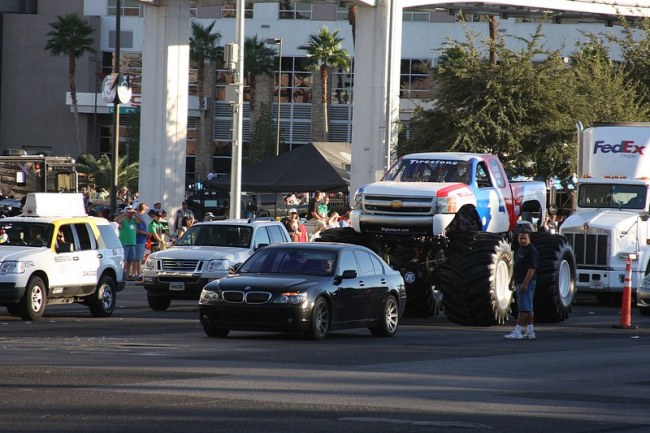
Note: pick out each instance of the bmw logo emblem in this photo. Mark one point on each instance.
(409, 277)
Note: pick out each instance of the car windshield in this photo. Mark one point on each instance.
(217, 235)
(290, 261)
(428, 170)
(26, 234)
(612, 196)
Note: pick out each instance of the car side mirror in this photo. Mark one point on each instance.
(234, 268)
(261, 246)
(350, 273)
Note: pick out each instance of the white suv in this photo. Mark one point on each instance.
(55, 254)
(205, 253)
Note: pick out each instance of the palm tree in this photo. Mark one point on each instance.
(324, 50)
(204, 51)
(258, 60)
(99, 171)
(71, 36)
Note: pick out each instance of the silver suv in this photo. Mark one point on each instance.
(205, 253)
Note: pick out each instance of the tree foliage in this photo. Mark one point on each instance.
(524, 108)
(98, 171)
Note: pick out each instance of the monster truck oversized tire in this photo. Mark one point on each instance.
(422, 300)
(556, 276)
(346, 235)
(476, 279)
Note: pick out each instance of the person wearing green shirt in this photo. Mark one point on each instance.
(156, 229)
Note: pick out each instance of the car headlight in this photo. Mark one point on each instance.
(358, 199)
(446, 205)
(150, 263)
(218, 265)
(12, 267)
(294, 298)
(209, 296)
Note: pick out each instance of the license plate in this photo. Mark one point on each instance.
(177, 286)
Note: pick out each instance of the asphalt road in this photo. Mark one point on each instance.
(146, 371)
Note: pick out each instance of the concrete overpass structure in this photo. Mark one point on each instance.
(377, 59)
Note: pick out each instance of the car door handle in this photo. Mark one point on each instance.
(100, 256)
(75, 258)
(361, 284)
(383, 281)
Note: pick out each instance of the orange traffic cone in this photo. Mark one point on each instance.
(626, 301)
(147, 248)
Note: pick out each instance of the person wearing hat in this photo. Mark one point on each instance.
(292, 224)
(156, 231)
(127, 229)
(209, 216)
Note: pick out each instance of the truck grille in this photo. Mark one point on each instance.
(180, 265)
(589, 249)
(399, 205)
(237, 297)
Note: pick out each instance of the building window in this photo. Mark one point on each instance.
(130, 8)
(341, 87)
(295, 85)
(415, 79)
(342, 13)
(415, 15)
(295, 11)
(229, 10)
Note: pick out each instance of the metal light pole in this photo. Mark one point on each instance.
(116, 110)
(278, 42)
(237, 120)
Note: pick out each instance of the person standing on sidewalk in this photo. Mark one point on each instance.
(141, 236)
(526, 259)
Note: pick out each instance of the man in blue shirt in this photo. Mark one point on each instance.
(526, 259)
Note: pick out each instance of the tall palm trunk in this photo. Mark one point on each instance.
(324, 76)
(72, 67)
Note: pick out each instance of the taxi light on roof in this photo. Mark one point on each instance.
(54, 205)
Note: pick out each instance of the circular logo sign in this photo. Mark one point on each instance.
(409, 277)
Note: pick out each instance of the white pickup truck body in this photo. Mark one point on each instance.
(422, 193)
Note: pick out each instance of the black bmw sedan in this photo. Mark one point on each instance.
(311, 288)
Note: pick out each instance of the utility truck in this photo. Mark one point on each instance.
(22, 174)
(610, 222)
(447, 222)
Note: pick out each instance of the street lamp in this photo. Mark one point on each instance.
(278, 42)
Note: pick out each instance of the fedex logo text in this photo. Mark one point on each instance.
(626, 146)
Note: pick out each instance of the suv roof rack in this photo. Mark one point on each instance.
(252, 220)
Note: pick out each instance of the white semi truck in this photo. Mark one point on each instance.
(611, 218)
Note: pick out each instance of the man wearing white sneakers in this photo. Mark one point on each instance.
(525, 280)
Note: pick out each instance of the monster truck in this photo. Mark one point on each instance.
(447, 221)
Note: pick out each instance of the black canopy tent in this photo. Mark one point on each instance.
(310, 167)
